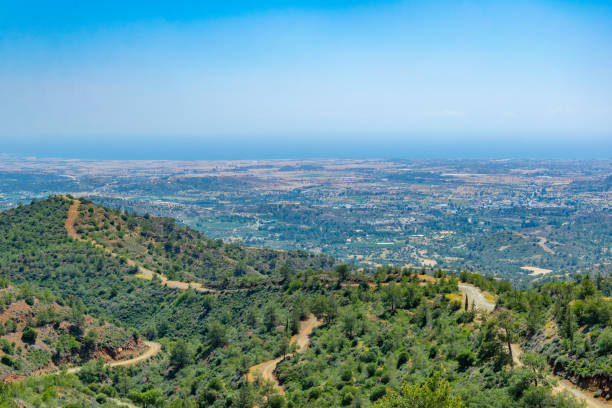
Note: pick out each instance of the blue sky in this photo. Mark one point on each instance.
(295, 78)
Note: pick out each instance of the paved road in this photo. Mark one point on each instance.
(476, 296)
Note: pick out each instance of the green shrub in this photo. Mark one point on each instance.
(8, 348)
(10, 362)
(308, 382)
(314, 393)
(371, 369)
(466, 359)
(39, 358)
(604, 342)
(29, 335)
(377, 393)
(368, 357)
(348, 395)
(276, 401)
(402, 359)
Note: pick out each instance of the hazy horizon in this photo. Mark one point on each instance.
(290, 78)
(345, 146)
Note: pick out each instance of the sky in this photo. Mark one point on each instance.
(282, 79)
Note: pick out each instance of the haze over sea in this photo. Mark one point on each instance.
(306, 79)
(302, 147)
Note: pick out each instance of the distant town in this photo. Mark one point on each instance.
(519, 219)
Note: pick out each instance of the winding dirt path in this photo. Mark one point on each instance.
(481, 302)
(563, 383)
(73, 214)
(542, 244)
(589, 401)
(301, 339)
(152, 349)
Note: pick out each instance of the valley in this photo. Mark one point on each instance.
(305, 204)
(271, 327)
(522, 220)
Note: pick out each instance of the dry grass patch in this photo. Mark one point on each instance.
(454, 297)
(535, 271)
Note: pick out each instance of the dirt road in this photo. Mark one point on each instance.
(481, 302)
(266, 370)
(563, 384)
(542, 244)
(301, 339)
(589, 401)
(73, 213)
(152, 349)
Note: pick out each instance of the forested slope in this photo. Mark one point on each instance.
(181, 253)
(388, 339)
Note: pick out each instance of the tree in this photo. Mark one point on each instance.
(77, 317)
(246, 396)
(284, 346)
(349, 322)
(325, 307)
(604, 342)
(121, 380)
(534, 318)
(29, 335)
(94, 371)
(491, 345)
(391, 295)
(240, 269)
(180, 356)
(89, 341)
(182, 403)
(251, 317)
(434, 393)
(343, 271)
(568, 323)
(270, 320)
(276, 401)
(216, 333)
(466, 359)
(286, 274)
(586, 288)
(509, 326)
(300, 306)
(148, 399)
(537, 364)
(536, 397)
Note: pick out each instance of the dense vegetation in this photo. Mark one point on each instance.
(41, 332)
(183, 253)
(390, 339)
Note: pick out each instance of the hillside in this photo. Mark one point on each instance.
(40, 333)
(181, 253)
(375, 339)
